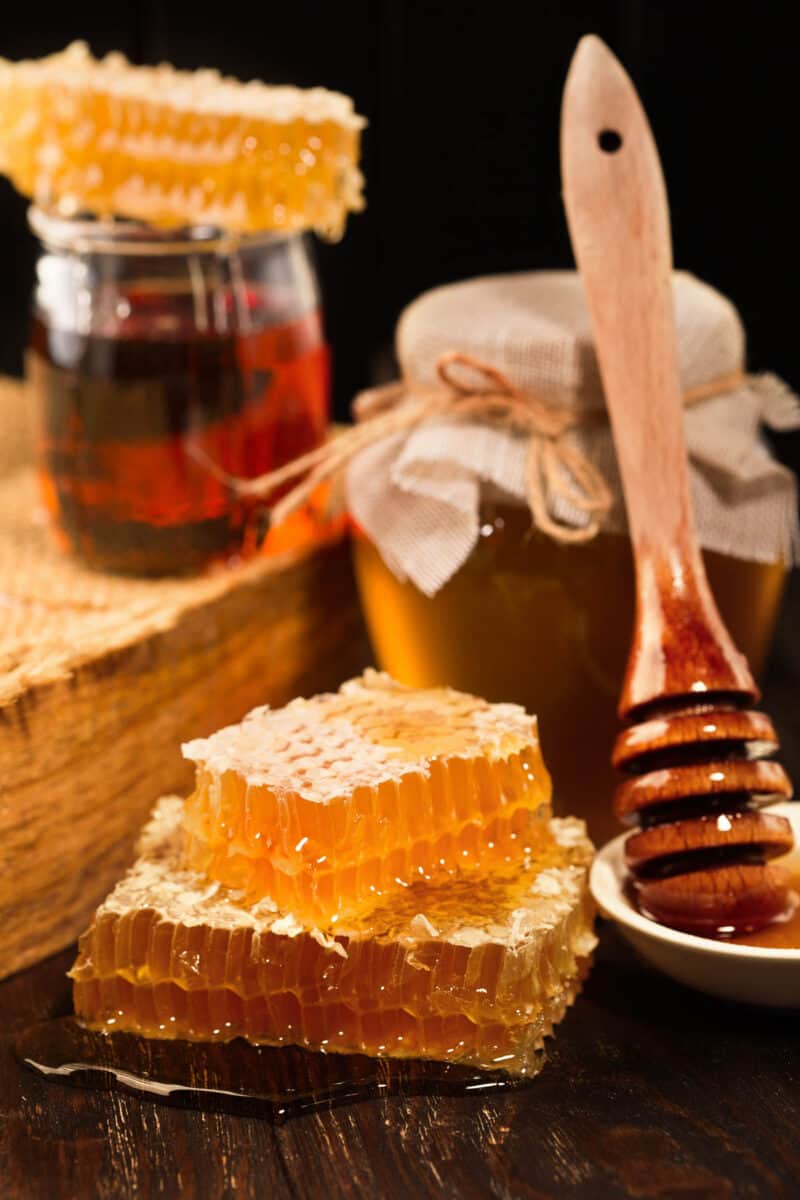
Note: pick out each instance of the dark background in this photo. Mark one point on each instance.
(461, 153)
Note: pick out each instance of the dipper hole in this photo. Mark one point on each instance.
(609, 141)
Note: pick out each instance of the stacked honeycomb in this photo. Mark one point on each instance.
(177, 147)
(460, 956)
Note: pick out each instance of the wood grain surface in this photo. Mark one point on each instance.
(650, 1091)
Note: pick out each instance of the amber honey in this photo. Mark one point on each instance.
(547, 626)
(330, 805)
(163, 366)
(781, 934)
(476, 971)
(371, 871)
(352, 880)
(178, 147)
(128, 423)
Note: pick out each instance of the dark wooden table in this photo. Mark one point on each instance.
(649, 1091)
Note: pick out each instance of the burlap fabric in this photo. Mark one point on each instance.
(417, 494)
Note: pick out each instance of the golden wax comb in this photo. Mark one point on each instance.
(177, 147)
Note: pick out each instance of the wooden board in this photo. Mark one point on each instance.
(650, 1092)
(102, 677)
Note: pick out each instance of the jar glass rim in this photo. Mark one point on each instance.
(87, 234)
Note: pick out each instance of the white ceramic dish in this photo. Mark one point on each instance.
(748, 974)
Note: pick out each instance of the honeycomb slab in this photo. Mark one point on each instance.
(174, 148)
(476, 971)
(331, 806)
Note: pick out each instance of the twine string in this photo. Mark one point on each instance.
(558, 473)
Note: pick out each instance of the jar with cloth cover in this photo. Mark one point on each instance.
(490, 535)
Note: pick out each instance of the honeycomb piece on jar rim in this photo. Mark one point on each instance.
(174, 148)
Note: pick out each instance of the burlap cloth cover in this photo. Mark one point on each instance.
(417, 494)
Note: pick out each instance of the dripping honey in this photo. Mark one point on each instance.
(548, 626)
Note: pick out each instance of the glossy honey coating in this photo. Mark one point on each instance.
(698, 783)
(475, 970)
(177, 147)
(329, 805)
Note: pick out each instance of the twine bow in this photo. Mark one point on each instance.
(556, 468)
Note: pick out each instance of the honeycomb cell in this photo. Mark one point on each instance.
(330, 805)
(177, 147)
(476, 970)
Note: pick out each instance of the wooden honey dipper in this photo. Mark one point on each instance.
(695, 757)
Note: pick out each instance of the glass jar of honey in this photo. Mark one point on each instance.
(161, 364)
(490, 536)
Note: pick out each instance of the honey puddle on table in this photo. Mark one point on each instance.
(236, 1077)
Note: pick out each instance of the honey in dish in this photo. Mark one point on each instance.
(782, 934)
(474, 971)
(547, 626)
(331, 805)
